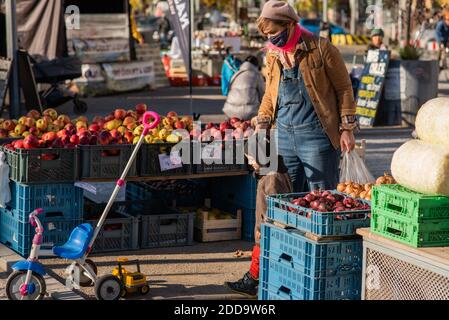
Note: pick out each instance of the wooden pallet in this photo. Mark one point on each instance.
(312, 236)
(218, 230)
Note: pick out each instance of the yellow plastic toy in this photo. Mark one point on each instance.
(131, 281)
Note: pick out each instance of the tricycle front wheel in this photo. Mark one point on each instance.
(36, 289)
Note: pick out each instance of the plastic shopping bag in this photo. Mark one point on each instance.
(353, 169)
(5, 193)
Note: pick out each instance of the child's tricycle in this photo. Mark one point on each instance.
(27, 282)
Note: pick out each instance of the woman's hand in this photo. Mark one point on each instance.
(347, 141)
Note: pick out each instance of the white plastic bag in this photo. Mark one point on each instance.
(5, 192)
(353, 169)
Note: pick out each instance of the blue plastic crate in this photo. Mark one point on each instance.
(240, 189)
(56, 200)
(319, 223)
(315, 259)
(19, 235)
(338, 288)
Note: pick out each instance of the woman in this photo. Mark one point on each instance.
(246, 90)
(309, 98)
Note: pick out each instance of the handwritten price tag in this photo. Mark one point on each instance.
(170, 161)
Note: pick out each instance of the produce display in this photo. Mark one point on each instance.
(422, 167)
(328, 201)
(363, 191)
(432, 122)
(53, 130)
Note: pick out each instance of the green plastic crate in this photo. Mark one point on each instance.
(430, 233)
(406, 203)
(30, 166)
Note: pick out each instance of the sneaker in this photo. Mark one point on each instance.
(246, 286)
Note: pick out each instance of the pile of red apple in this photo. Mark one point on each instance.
(121, 126)
(326, 201)
(233, 129)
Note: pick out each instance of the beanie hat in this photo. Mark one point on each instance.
(279, 10)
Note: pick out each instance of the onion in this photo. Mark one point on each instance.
(341, 187)
(381, 180)
(367, 187)
(353, 195)
(349, 189)
(362, 194)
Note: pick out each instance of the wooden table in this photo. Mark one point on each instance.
(395, 271)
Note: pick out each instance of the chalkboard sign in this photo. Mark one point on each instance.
(5, 65)
(371, 85)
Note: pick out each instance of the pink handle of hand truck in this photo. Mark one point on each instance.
(147, 125)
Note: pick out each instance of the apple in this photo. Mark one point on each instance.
(225, 126)
(113, 124)
(61, 133)
(41, 124)
(12, 134)
(52, 127)
(18, 144)
(71, 129)
(26, 134)
(30, 142)
(148, 139)
(132, 114)
(83, 119)
(49, 136)
(81, 124)
(179, 125)
(8, 125)
(3, 133)
(131, 126)
(34, 131)
(210, 125)
(81, 130)
(64, 119)
(75, 139)
(138, 130)
(122, 130)
(59, 124)
(34, 114)
(141, 108)
(57, 143)
(22, 120)
(20, 128)
(115, 134)
(128, 120)
(94, 127)
(233, 120)
(172, 114)
(237, 124)
(84, 138)
(51, 113)
(109, 117)
(97, 119)
(42, 144)
(65, 140)
(104, 137)
(128, 136)
(135, 140)
(93, 140)
(120, 114)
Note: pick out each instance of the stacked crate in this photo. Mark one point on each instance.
(410, 217)
(310, 255)
(63, 211)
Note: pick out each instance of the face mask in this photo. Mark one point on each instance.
(281, 39)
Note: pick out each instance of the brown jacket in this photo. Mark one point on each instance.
(327, 82)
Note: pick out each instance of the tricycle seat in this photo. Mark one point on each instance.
(77, 244)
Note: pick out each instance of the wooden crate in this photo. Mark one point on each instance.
(217, 230)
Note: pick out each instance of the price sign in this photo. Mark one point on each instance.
(170, 161)
(371, 85)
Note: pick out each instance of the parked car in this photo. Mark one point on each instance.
(313, 25)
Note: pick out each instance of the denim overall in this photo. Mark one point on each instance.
(302, 142)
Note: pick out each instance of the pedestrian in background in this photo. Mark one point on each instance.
(246, 90)
(442, 32)
(377, 40)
